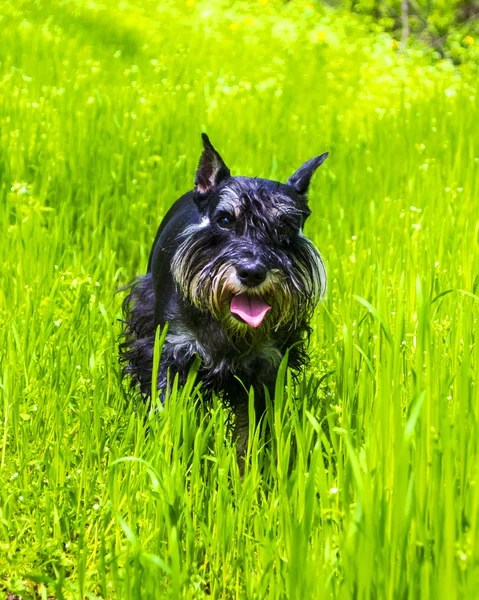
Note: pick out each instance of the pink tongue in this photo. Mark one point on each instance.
(251, 309)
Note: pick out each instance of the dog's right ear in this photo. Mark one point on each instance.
(211, 169)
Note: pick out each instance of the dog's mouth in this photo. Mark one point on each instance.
(251, 309)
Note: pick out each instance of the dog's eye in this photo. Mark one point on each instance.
(286, 231)
(226, 221)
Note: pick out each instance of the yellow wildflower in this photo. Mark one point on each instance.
(234, 26)
(321, 36)
(469, 40)
(190, 3)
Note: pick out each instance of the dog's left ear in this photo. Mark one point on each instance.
(211, 169)
(302, 178)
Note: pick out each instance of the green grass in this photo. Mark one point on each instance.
(368, 486)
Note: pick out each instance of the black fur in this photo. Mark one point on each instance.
(229, 237)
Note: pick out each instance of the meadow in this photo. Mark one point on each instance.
(367, 486)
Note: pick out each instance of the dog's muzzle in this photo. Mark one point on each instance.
(251, 274)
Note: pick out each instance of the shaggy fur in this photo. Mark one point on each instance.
(233, 275)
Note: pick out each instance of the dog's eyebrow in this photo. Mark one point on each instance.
(229, 202)
(228, 206)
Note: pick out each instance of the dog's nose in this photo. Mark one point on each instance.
(251, 275)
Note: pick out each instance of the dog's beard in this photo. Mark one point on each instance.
(291, 290)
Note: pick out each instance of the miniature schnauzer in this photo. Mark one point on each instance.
(235, 279)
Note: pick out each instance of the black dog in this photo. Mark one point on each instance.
(236, 280)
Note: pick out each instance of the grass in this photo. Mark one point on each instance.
(367, 487)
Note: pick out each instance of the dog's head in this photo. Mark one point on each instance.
(247, 261)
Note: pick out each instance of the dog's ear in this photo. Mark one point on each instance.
(302, 178)
(211, 169)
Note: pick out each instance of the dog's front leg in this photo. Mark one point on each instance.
(242, 420)
(241, 434)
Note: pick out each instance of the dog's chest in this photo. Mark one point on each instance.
(221, 358)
